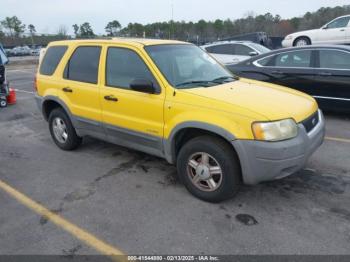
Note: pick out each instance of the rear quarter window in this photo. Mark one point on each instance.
(51, 59)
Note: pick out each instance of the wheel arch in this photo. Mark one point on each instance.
(49, 103)
(185, 131)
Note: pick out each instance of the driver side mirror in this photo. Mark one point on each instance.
(253, 53)
(325, 27)
(143, 85)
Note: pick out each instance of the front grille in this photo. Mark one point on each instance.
(311, 122)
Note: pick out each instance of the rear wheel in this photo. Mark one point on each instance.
(209, 168)
(302, 41)
(62, 130)
(3, 102)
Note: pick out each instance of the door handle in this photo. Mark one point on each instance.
(277, 72)
(67, 90)
(111, 98)
(325, 74)
(342, 30)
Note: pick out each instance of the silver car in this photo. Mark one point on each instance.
(233, 52)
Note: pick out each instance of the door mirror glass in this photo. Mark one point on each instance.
(142, 85)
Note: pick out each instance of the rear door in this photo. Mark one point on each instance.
(293, 69)
(333, 79)
(79, 87)
(224, 53)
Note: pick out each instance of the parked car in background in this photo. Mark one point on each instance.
(36, 51)
(335, 32)
(321, 71)
(21, 51)
(233, 52)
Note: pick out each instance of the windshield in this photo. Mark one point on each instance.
(262, 49)
(188, 66)
(3, 58)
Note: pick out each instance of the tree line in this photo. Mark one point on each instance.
(12, 28)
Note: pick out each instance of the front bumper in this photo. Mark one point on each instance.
(264, 161)
(287, 43)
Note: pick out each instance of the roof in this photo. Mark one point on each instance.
(289, 49)
(341, 47)
(121, 40)
(228, 42)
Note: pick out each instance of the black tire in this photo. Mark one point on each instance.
(3, 103)
(303, 39)
(225, 157)
(73, 140)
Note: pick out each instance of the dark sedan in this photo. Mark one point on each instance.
(321, 71)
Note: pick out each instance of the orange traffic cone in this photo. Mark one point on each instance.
(11, 99)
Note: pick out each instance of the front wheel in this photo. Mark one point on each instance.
(209, 168)
(302, 41)
(62, 130)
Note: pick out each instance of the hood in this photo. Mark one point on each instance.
(303, 33)
(272, 101)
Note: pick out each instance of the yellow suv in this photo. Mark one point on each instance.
(173, 100)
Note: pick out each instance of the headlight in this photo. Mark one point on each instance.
(275, 131)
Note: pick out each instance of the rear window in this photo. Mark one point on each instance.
(51, 59)
(83, 65)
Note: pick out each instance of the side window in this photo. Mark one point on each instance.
(83, 64)
(334, 59)
(267, 61)
(339, 23)
(225, 49)
(294, 59)
(124, 66)
(242, 50)
(51, 59)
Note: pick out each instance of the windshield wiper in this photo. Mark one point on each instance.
(224, 79)
(193, 82)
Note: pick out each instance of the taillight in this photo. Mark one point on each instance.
(35, 84)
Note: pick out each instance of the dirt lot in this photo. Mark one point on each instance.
(135, 203)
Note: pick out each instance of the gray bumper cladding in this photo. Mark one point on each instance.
(264, 161)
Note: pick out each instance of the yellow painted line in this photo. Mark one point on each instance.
(337, 139)
(74, 230)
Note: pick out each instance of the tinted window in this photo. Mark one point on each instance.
(294, 59)
(242, 50)
(334, 59)
(51, 59)
(183, 65)
(265, 61)
(226, 49)
(340, 22)
(124, 66)
(83, 65)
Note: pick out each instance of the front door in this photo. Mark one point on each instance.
(133, 119)
(334, 32)
(293, 69)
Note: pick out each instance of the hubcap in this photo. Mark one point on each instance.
(301, 42)
(204, 171)
(60, 130)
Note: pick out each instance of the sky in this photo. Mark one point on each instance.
(48, 15)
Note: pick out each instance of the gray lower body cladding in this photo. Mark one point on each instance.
(260, 161)
(264, 161)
